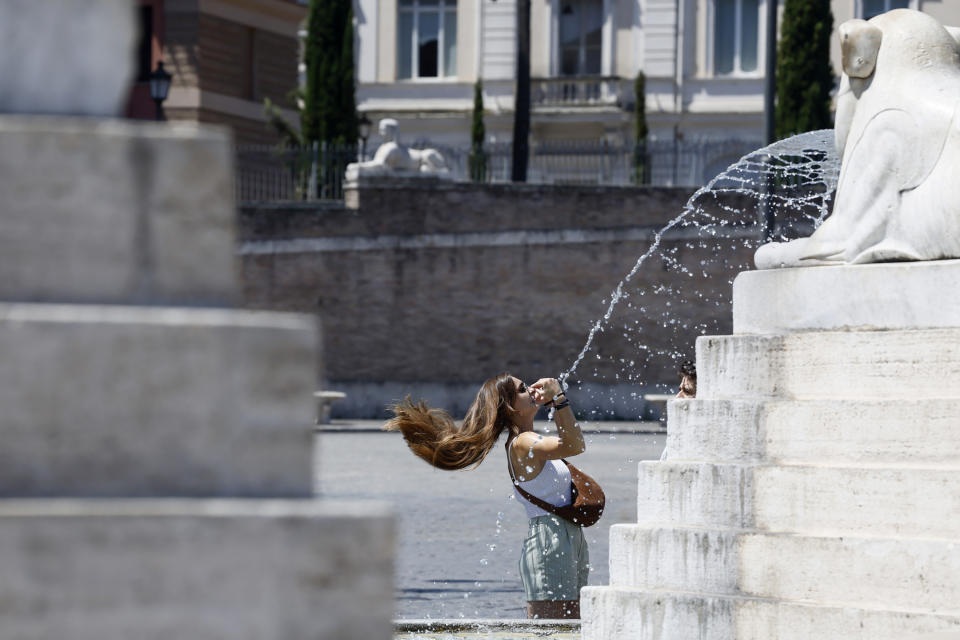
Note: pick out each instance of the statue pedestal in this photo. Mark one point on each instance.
(810, 489)
(398, 181)
(891, 295)
(156, 477)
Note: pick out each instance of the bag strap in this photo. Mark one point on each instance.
(543, 504)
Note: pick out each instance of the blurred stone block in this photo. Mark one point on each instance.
(198, 569)
(155, 401)
(73, 57)
(111, 211)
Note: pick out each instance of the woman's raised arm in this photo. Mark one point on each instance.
(569, 438)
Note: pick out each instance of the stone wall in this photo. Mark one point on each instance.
(428, 288)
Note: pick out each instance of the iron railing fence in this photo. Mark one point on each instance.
(684, 163)
(269, 174)
(272, 173)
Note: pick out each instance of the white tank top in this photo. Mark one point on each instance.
(553, 485)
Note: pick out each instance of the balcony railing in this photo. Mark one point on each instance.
(575, 91)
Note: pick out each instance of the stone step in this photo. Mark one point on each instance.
(678, 558)
(212, 569)
(893, 295)
(155, 401)
(920, 574)
(116, 211)
(820, 431)
(912, 365)
(624, 613)
(879, 500)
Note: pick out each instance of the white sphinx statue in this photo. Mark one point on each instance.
(394, 159)
(898, 136)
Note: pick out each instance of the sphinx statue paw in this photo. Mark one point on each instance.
(802, 252)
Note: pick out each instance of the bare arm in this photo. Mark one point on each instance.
(569, 439)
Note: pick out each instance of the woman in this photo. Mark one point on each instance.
(554, 562)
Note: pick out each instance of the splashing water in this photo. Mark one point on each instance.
(778, 192)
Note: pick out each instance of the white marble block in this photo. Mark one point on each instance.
(808, 499)
(894, 295)
(198, 569)
(919, 364)
(630, 613)
(155, 401)
(859, 431)
(66, 57)
(111, 211)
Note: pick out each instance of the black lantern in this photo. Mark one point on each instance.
(159, 87)
(364, 124)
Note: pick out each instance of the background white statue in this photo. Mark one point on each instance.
(898, 135)
(392, 158)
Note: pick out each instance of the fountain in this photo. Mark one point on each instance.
(811, 487)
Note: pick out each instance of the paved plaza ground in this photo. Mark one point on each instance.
(460, 532)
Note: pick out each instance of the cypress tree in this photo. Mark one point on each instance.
(347, 130)
(804, 75)
(478, 158)
(641, 164)
(329, 111)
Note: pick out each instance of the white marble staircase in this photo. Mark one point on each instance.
(812, 489)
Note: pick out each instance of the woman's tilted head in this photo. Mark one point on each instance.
(494, 403)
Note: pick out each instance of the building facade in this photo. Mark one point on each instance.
(225, 56)
(704, 62)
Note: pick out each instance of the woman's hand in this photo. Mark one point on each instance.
(546, 389)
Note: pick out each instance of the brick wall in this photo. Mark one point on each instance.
(231, 59)
(274, 67)
(245, 130)
(180, 47)
(430, 289)
(240, 61)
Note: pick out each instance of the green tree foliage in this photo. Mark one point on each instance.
(641, 159)
(478, 158)
(348, 87)
(804, 75)
(329, 111)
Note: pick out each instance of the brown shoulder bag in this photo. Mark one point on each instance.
(588, 499)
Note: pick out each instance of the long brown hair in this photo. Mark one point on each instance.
(433, 436)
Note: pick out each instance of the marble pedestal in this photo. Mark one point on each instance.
(156, 468)
(390, 181)
(811, 488)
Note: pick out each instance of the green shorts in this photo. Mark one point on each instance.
(554, 562)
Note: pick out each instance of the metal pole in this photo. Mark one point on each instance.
(769, 110)
(521, 112)
(770, 79)
(312, 188)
